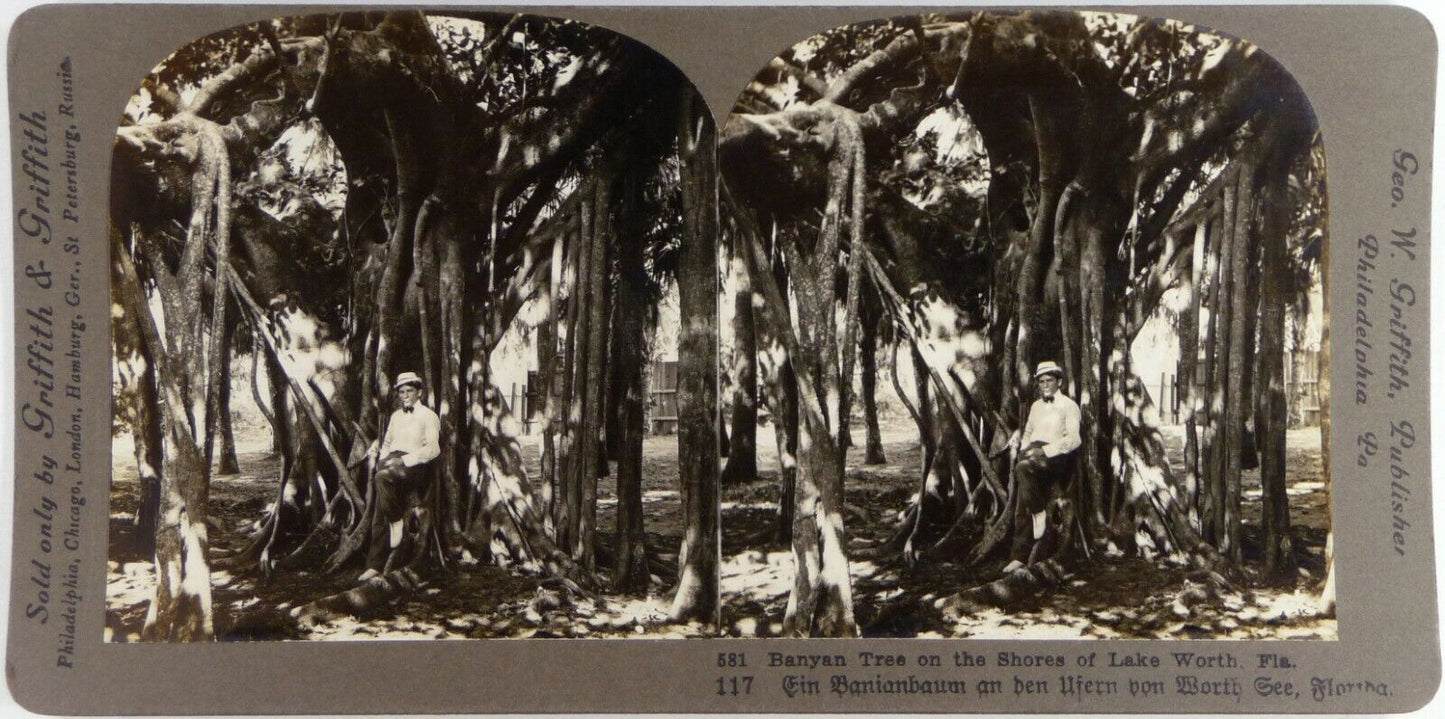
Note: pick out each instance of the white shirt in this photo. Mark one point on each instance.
(1055, 423)
(416, 433)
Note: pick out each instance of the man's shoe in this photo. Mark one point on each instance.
(368, 574)
(1012, 567)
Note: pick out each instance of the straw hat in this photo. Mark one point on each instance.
(1048, 367)
(406, 378)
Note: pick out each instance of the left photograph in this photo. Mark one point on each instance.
(414, 324)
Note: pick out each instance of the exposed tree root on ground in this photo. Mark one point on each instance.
(1004, 591)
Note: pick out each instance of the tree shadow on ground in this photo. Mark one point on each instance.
(1109, 596)
(464, 602)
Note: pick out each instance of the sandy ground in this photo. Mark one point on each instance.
(470, 602)
(1110, 597)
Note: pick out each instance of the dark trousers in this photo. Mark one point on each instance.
(395, 486)
(1036, 481)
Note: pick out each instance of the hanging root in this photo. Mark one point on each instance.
(994, 536)
(353, 540)
(849, 149)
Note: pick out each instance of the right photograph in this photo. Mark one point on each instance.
(1023, 334)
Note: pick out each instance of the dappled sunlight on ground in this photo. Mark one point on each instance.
(1108, 597)
(464, 603)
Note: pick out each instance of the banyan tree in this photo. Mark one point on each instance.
(993, 190)
(342, 198)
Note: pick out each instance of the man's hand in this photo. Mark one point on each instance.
(393, 460)
(1034, 454)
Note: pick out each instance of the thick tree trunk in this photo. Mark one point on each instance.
(782, 384)
(697, 585)
(1066, 280)
(1271, 411)
(630, 571)
(594, 463)
(546, 392)
(1097, 346)
(137, 369)
(821, 603)
(742, 464)
(423, 290)
(615, 387)
(1219, 377)
(449, 237)
(504, 516)
(148, 463)
(411, 178)
(785, 429)
(218, 351)
(569, 407)
(575, 465)
(1053, 175)
(188, 379)
(1202, 415)
(180, 609)
(1241, 355)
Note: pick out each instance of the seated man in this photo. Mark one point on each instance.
(1049, 441)
(410, 445)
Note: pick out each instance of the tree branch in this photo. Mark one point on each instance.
(906, 46)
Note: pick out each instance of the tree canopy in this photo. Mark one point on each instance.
(367, 193)
(1020, 187)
